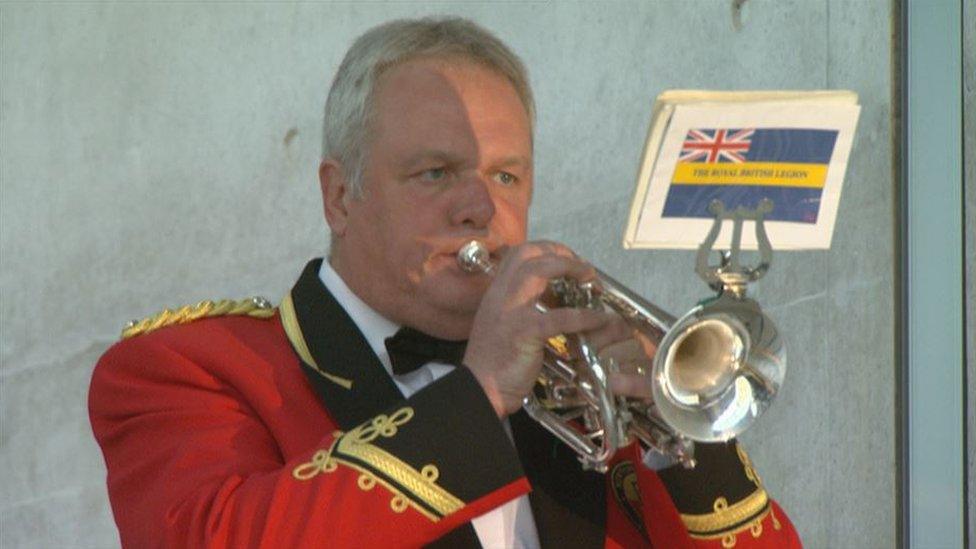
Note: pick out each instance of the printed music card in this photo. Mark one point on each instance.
(740, 148)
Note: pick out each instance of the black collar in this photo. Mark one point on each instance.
(335, 355)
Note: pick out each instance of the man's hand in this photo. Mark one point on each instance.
(633, 353)
(505, 348)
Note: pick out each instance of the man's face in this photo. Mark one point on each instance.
(450, 159)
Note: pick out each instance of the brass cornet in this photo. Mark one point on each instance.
(716, 369)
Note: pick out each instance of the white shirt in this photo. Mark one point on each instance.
(511, 524)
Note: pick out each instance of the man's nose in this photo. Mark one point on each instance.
(475, 205)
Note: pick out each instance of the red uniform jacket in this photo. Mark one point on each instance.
(287, 432)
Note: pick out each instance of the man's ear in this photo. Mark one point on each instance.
(335, 195)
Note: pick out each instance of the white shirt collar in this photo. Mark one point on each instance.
(376, 328)
(373, 325)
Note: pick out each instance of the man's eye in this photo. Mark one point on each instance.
(433, 174)
(506, 178)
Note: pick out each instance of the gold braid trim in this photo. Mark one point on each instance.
(755, 528)
(721, 523)
(747, 467)
(420, 485)
(289, 320)
(256, 307)
(725, 518)
(322, 462)
(399, 502)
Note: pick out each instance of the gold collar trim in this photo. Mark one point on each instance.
(289, 320)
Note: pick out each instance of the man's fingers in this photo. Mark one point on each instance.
(631, 385)
(527, 251)
(547, 267)
(628, 354)
(528, 282)
(614, 334)
(569, 321)
(536, 248)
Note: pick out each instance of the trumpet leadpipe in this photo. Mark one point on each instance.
(474, 257)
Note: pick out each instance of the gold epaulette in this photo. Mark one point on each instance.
(257, 307)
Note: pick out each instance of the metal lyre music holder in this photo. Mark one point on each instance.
(731, 274)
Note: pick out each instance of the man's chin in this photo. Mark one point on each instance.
(458, 302)
(460, 294)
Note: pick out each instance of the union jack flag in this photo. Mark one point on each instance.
(716, 145)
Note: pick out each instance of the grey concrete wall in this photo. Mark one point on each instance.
(154, 155)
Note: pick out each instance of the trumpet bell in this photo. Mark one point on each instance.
(718, 369)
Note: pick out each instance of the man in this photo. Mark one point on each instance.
(308, 427)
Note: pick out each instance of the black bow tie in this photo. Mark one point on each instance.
(410, 349)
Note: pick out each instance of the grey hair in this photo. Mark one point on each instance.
(348, 109)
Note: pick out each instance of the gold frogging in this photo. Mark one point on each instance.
(410, 487)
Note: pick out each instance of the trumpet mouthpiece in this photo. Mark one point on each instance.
(474, 257)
